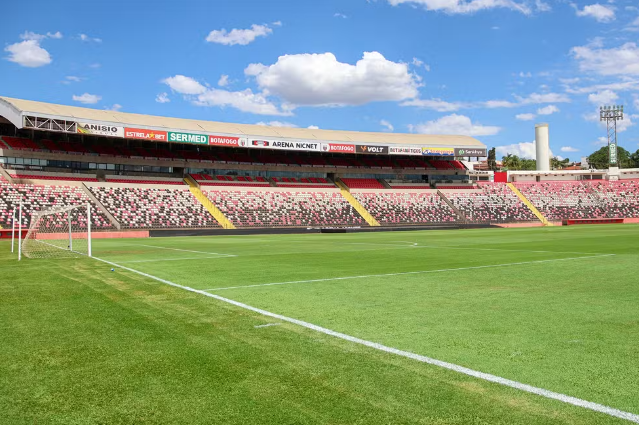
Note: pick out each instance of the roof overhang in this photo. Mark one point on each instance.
(71, 119)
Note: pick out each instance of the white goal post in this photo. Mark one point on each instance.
(59, 232)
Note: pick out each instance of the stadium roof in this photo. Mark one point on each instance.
(18, 108)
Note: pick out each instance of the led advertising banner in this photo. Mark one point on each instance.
(405, 150)
(471, 152)
(224, 141)
(372, 150)
(438, 151)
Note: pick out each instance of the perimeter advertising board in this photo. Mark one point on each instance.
(438, 151)
(372, 150)
(338, 147)
(224, 141)
(194, 139)
(471, 152)
(140, 133)
(99, 130)
(283, 145)
(405, 150)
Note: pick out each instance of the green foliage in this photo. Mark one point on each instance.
(599, 158)
(492, 162)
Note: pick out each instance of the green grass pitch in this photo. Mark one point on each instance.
(555, 308)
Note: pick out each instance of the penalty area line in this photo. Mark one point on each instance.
(607, 410)
(409, 273)
(184, 250)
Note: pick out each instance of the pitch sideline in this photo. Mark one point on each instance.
(409, 273)
(607, 410)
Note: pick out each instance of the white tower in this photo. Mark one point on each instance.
(543, 147)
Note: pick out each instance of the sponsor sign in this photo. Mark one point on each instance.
(100, 130)
(470, 152)
(196, 139)
(438, 151)
(224, 141)
(139, 133)
(372, 149)
(338, 147)
(285, 145)
(404, 150)
(613, 153)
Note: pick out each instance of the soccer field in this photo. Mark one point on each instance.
(391, 327)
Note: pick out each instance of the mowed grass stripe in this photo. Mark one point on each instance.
(607, 410)
(83, 345)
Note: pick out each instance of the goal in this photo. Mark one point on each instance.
(59, 232)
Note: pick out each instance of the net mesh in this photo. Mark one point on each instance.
(58, 232)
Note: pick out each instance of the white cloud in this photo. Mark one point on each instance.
(417, 62)
(569, 149)
(87, 98)
(536, 98)
(283, 124)
(463, 6)
(277, 23)
(184, 85)
(313, 127)
(340, 15)
(525, 117)
(532, 99)
(85, 37)
(601, 141)
(116, 107)
(623, 60)
(542, 7)
(245, 101)
(436, 104)
(525, 74)
(29, 35)
(455, 124)
(162, 98)
(320, 80)
(604, 97)
(387, 125)
(547, 110)
(239, 36)
(223, 81)
(71, 79)
(522, 150)
(28, 53)
(95, 65)
(599, 12)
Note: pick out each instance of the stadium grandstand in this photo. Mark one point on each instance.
(157, 173)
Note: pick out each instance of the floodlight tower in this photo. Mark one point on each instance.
(611, 114)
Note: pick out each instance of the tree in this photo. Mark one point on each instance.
(492, 162)
(599, 159)
(557, 164)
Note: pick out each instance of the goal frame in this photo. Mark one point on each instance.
(37, 216)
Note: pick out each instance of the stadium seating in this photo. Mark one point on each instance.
(491, 203)
(564, 200)
(620, 198)
(56, 177)
(310, 182)
(38, 198)
(255, 208)
(363, 183)
(240, 181)
(145, 207)
(396, 208)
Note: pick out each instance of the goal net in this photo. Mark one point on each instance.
(59, 232)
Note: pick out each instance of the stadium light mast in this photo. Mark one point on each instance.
(611, 114)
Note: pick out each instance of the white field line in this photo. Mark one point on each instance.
(266, 325)
(183, 250)
(409, 273)
(450, 366)
(179, 259)
(417, 245)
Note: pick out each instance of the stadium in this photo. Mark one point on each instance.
(184, 271)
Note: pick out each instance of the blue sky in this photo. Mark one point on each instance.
(487, 68)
